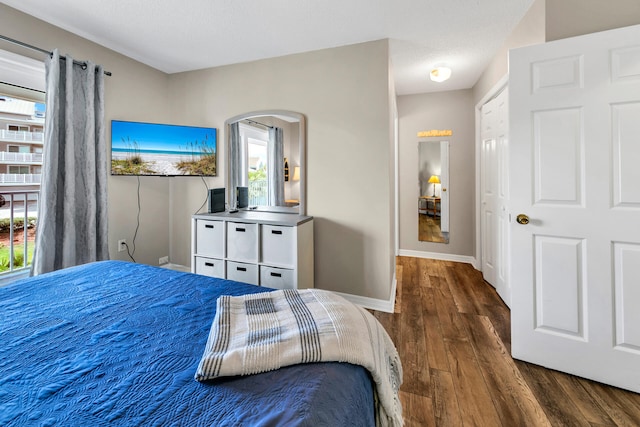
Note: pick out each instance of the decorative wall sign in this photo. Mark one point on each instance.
(435, 132)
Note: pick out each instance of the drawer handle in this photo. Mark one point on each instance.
(276, 231)
(241, 268)
(208, 264)
(240, 229)
(208, 226)
(276, 275)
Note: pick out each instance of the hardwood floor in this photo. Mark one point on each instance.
(453, 335)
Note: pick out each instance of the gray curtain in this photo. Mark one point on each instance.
(276, 169)
(236, 157)
(72, 213)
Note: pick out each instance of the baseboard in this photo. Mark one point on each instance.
(176, 267)
(374, 303)
(437, 255)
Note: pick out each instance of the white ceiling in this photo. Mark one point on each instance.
(182, 35)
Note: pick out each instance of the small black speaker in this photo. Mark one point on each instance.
(243, 197)
(216, 200)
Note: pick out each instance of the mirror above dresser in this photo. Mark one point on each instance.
(266, 153)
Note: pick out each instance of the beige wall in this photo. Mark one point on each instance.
(529, 31)
(133, 92)
(568, 18)
(343, 93)
(444, 110)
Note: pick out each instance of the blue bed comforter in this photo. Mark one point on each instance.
(117, 344)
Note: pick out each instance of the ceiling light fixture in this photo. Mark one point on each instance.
(440, 74)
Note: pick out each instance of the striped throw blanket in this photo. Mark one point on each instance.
(265, 331)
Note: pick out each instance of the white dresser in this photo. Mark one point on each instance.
(262, 248)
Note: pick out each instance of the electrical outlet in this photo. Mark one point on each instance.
(163, 260)
(122, 245)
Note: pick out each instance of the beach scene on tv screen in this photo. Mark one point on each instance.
(162, 149)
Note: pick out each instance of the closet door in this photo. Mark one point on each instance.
(494, 190)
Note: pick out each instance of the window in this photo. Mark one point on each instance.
(19, 169)
(18, 149)
(257, 151)
(22, 116)
(255, 143)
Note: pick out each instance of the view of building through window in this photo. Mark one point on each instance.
(21, 147)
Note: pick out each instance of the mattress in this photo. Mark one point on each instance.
(117, 344)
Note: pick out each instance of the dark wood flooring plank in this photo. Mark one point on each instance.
(448, 313)
(622, 406)
(417, 411)
(463, 296)
(500, 317)
(409, 275)
(560, 410)
(446, 409)
(412, 345)
(472, 293)
(424, 273)
(476, 407)
(436, 351)
(434, 267)
(584, 401)
(515, 402)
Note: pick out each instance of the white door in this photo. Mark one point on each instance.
(494, 193)
(575, 172)
(488, 191)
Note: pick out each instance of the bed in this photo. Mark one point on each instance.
(117, 344)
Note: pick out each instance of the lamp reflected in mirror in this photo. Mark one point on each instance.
(433, 197)
(434, 180)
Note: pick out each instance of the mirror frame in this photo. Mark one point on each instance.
(301, 209)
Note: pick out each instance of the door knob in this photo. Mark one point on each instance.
(444, 189)
(522, 219)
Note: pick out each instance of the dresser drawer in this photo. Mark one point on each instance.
(212, 267)
(278, 245)
(278, 278)
(241, 272)
(210, 238)
(242, 242)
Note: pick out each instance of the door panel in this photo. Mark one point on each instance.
(626, 156)
(559, 285)
(558, 156)
(626, 259)
(573, 169)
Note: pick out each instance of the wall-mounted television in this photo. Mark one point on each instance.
(162, 149)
